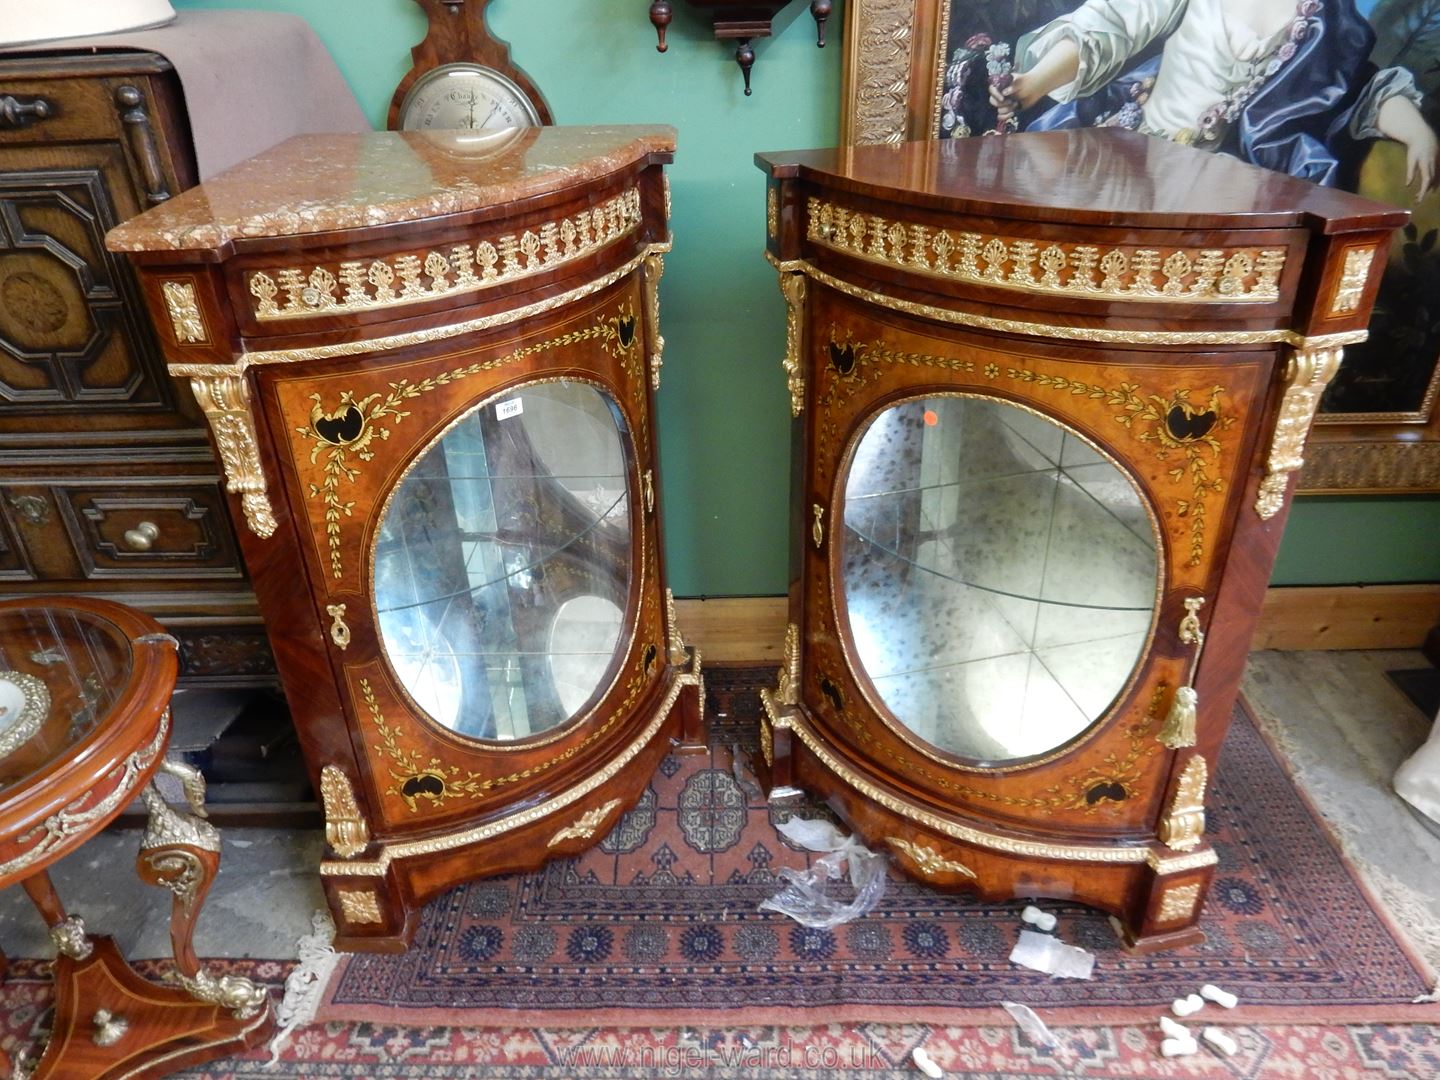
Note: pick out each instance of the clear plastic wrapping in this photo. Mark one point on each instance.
(805, 896)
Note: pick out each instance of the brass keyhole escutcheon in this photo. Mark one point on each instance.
(339, 631)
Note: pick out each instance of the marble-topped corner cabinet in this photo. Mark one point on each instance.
(1048, 393)
(428, 360)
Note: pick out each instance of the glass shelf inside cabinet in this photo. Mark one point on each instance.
(502, 566)
(999, 574)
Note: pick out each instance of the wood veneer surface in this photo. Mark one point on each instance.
(1102, 177)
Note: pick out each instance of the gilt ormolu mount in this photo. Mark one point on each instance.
(740, 21)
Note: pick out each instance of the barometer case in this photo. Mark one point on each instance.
(428, 360)
(1048, 393)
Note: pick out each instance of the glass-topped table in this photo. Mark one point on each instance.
(85, 690)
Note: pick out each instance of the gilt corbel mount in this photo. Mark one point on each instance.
(740, 21)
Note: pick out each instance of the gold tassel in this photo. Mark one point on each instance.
(1179, 727)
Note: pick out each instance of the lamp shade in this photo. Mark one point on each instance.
(23, 22)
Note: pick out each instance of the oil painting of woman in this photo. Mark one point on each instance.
(1305, 87)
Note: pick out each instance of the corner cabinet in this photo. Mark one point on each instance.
(428, 361)
(1048, 392)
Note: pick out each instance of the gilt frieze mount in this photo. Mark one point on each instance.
(1222, 275)
(455, 270)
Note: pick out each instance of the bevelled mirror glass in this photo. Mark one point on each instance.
(502, 566)
(999, 574)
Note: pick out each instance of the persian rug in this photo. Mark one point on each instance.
(1305, 933)
(389, 1051)
(658, 925)
(859, 1052)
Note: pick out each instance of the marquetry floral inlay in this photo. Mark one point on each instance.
(1102, 788)
(403, 279)
(345, 435)
(1179, 427)
(1207, 275)
(418, 779)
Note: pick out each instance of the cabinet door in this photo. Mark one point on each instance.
(75, 348)
(479, 525)
(77, 356)
(1004, 537)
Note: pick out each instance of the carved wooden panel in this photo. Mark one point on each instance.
(71, 332)
(106, 484)
(14, 566)
(150, 531)
(218, 652)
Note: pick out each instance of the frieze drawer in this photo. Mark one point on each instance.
(125, 529)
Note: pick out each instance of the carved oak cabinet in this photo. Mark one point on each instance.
(1048, 392)
(108, 486)
(428, 361)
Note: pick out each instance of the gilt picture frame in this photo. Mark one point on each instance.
(1378, 431)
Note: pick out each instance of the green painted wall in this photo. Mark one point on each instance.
(1349, 541)
(723, 408)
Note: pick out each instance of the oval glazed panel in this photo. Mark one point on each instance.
(502, 567)
(999, 575)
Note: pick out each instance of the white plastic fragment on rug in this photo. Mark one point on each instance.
(804, 896)
(1031, 1024)
(926, 1064)
(1041, 952)
(305, 985)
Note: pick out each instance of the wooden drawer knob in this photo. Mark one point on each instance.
(16, 113)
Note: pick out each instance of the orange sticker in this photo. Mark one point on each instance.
(931, 419)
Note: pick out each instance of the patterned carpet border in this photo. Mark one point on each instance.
(365, 1051)
(864, 1052)
(658, 926)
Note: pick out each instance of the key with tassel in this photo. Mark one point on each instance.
(1179, 728)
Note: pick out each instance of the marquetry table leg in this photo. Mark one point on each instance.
(110, 1022)
(181, 852)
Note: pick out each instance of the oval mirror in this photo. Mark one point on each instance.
(502, 565)
(999, 575)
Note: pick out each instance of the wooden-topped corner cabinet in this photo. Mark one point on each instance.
(1049, 391)
(428, 360)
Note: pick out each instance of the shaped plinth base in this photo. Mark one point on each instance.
(1154, 892)
(111, 1023)
(376, 898)
(1159, 942)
